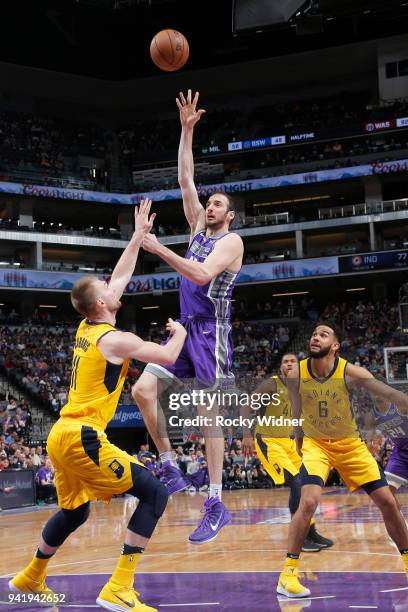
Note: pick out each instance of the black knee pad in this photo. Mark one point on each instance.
(63, 523)
(295, 490)
(153, 498)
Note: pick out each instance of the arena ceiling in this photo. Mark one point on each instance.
(110, 39)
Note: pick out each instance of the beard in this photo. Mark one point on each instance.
(215, 225)
(320, 353)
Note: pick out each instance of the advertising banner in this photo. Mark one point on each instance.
(297, 268)
(127, 416)
(169, 281)
(251, 273)
(21, 483)
(303, 178)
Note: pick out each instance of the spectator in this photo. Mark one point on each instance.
(45, 483)
(236, 478)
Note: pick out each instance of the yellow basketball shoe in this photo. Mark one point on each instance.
(404, 555)
(24, 583)
(120, 599)
(288, 583)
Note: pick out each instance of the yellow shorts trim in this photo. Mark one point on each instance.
(277, 455)
(87, 466)
(349, 456)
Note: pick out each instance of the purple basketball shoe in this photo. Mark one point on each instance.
(173, 478)
(215, 517)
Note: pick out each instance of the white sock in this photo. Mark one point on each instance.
(215, 490)
(168, 456)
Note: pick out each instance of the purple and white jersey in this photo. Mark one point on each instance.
(393, 425)
(213, 300)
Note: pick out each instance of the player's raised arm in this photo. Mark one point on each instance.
(226, 255)
(124, 269)
(118, 345)
(189, 116)
(357, 376)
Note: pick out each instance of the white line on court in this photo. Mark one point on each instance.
(167, 605)
(216, 572)
(365, 607)
(79, 605)
(208, 603)
(214, 552)
(393, 590)
(306, 598)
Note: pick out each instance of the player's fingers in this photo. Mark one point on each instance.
(195, 100)
(189, 96)
(182, 98)
(201, 112)
(179, 104)
(152, 217)
(136, 211)
(148, 205)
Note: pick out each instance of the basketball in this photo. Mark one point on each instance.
(169, 50)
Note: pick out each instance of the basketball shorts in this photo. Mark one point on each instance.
(396, 471)
(278, 455)
(349, 456)
(87, 466)
(206, 355)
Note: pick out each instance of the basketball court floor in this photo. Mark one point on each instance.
(236, 572)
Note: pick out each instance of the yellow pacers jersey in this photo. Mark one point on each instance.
(326, 404)
(275, 428)
(96, 384)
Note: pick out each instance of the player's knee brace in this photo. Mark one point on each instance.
(63, 523)
(153, 498)
(294, 497)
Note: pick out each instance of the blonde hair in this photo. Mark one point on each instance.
(83, 295)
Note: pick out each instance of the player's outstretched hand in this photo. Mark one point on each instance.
(144, 224)
(174, 326)
(189, 115)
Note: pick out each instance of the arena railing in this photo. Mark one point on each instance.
(352, 210)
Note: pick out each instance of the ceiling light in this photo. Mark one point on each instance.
(150, 307)
(357, 289)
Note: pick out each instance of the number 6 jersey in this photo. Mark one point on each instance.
(326, 405)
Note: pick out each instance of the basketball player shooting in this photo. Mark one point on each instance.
(209, 272)
(87, 466)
